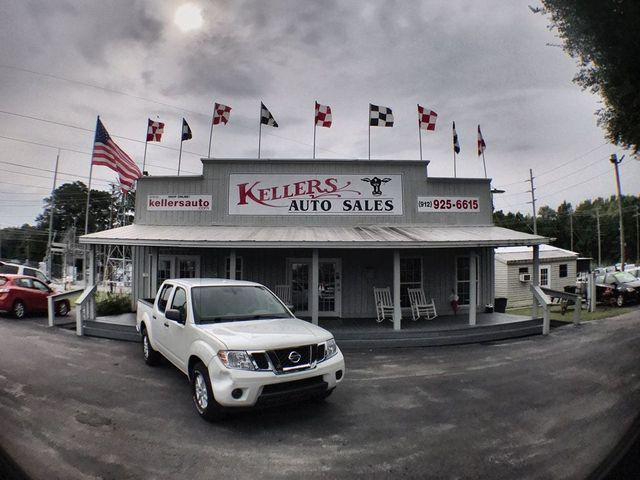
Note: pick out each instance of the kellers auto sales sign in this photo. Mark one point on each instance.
(269, 194)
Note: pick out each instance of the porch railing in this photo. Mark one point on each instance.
(542, 299)
(85, 308)
(566, 297)
(51, 305)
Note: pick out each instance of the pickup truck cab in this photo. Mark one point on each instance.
(238, 343)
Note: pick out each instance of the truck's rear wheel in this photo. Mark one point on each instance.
(205, 403)
(151, 357)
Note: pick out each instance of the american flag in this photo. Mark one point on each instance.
(154, 131)
(427, 118)
(221, 114)
(481, 145)
(456, 144)
(266, 118)
(380, 116)
(108, 154)
(323, 115)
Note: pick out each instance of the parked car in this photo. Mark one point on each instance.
(617, 288)
(17, 269)
(20, 294)
(635, 271)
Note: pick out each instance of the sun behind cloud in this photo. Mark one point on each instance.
(188, 17)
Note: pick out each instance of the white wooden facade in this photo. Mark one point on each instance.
(335, 227)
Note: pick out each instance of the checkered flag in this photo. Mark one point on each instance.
(186, 131)
(380, 116)
(323, 115)
(154, 131)
(427, 118)
(221, 114)
(266, 118)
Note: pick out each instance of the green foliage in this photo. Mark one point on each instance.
(557, 224)
(604, 37)
(112, 303)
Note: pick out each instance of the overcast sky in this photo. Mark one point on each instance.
(62, 63)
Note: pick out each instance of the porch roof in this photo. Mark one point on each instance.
(357, 236)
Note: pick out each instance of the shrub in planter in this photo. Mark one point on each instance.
(112, 304)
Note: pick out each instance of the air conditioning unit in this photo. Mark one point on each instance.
(525, 277)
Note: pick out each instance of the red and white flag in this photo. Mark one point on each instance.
(108, 154)
(221, 114)
(155, 131)
(481, 145)
(427, 118)
(323, 115)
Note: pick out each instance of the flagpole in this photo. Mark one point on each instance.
(369, 122)
(454, 164)
(484, 165)
(314, 130)
(180, 156)
(419, 132)
(86, 215)
(259, 131)
(211, 132)
(146, 141)
(53, 189)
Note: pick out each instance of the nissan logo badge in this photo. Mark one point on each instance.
(295, 357)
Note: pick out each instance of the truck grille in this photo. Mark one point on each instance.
(290, 359)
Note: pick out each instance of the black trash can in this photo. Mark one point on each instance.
(500, 305)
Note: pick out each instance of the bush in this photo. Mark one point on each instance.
(112, 304)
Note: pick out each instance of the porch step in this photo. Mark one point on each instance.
(432, 338)
(111, 330)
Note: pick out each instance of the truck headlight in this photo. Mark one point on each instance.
(330, 349)
(236, 359)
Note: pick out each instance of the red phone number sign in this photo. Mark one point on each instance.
(448, 204)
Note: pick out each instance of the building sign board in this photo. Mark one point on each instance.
(178, 203)
(448, 204)
(314, 194)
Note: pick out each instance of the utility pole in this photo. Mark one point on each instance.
(614, 159)
(571, 224)
(637, 215)
(599, 249)
(533, 203)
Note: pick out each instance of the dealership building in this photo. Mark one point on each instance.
(328, 230)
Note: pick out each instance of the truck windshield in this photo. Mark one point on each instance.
(235, 303)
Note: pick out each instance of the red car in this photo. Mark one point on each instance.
(20, 294)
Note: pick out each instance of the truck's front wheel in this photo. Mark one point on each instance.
(203, 399)
(151, 357)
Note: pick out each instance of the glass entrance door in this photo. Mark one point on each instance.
(329, 286)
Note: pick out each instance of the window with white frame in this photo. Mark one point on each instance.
(410, 277)
(227, 268)
(463, 279)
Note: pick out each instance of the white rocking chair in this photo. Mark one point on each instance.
(420, 308)
(283, 292)
(384, 304)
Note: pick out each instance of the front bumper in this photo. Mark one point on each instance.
(265, 388)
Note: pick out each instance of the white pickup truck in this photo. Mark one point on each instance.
(238, 343)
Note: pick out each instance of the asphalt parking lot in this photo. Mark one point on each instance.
(537, 408)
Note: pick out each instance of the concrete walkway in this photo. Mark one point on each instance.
(545, 407)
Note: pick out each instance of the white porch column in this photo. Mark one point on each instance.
(315, 285)
(232, 264)
(472, 288)
(92, 266)
(397, 312)
(535, 278)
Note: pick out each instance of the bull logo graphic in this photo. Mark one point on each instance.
(376, 183)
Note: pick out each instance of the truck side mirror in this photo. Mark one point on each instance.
(174, 314)
(291, 307)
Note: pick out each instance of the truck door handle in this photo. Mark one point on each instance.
(154, 317)
(166, 324)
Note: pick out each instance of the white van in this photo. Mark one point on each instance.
(24, 270)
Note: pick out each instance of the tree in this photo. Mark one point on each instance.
(69, 209)
(603, 36)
